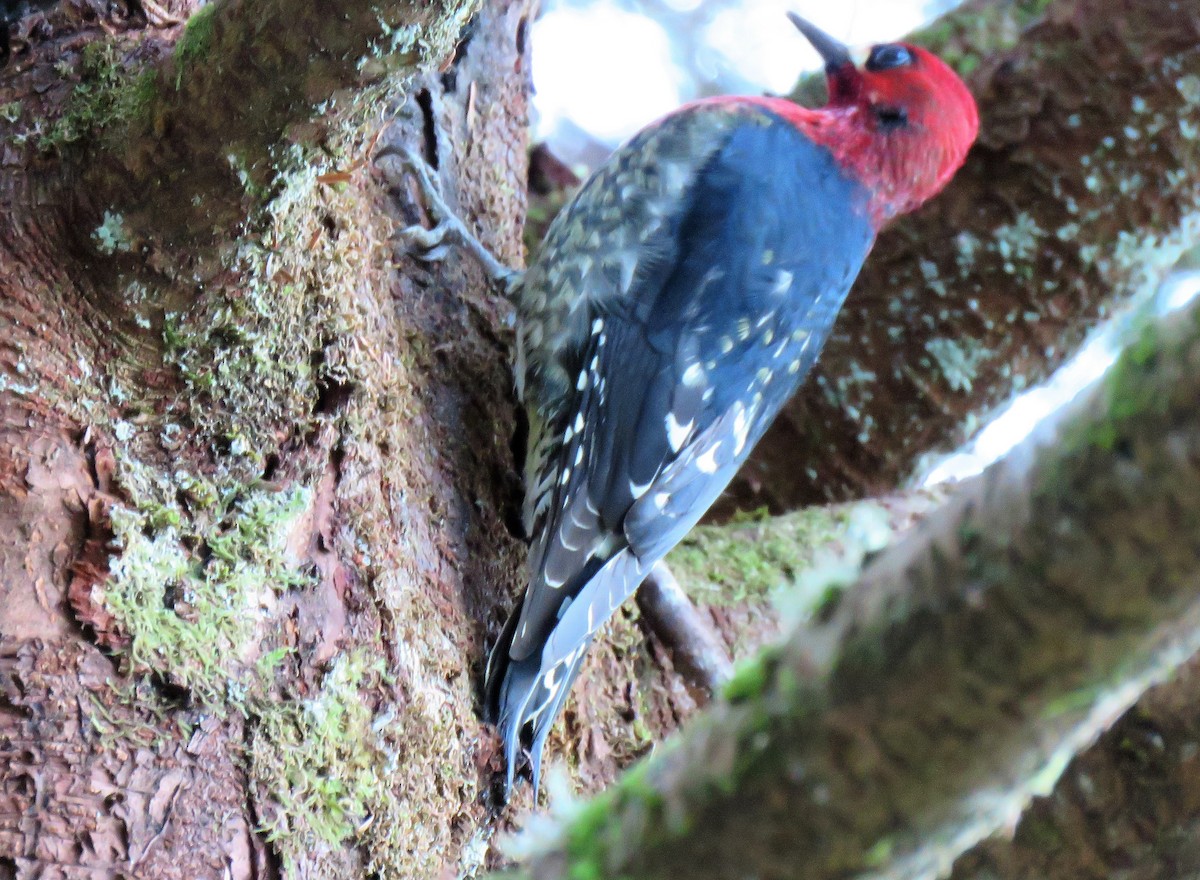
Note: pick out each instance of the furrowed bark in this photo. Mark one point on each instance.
(1080, 195)
(253, 471)
(952, 668)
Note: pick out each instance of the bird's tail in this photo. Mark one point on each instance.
(527, 695)
(527, 698)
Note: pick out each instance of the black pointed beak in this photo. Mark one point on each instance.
(835, 54)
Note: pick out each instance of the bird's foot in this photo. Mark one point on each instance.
(695, 648)
(432, 244)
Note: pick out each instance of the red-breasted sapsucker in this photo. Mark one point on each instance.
(677, 303)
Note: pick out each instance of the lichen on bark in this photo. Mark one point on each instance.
(235, 356)
(234, 416)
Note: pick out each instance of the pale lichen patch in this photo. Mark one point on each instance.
(1018, 243)
(110, 236)
(958, 361)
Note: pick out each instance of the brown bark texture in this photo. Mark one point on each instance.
(257, 494)
(254, 462)
(1080, 194)
(899, 729)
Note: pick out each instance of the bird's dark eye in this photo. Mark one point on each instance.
(891, 118)
(887, 57)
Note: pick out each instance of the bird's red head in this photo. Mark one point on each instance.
(902, 123)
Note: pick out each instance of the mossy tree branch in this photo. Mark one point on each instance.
(948, 669)
(1083, 189)
(1127, 804)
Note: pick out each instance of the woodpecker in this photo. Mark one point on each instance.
(677, 303)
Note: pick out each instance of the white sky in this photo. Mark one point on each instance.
(610, 71)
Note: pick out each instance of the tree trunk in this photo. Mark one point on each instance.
(257, 496)
(256, 461)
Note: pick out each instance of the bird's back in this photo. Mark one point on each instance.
(677, 303)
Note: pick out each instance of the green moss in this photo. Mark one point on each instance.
(584, 831)
(963, 37)
(725, 564)
(252, 356)
(749, 679)
(1134, 388)
(595, 832)
(107, 96)
(650, 805)
(195, 586)
(134, 711)
(321, 763)
(828, 601)
(880, 854)
(802, 561)
(1073, 702)
(192, 593)
(203, 559)
(195, 41)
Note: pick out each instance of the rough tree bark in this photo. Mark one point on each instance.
(254, 469)
(255, 479)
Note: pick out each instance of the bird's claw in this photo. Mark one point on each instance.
(427, 245)
(432, 244)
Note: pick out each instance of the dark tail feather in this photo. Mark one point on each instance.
(525, 701)
(529, 693)
(502, 676)
(516, 696)
(497, 667)
(543, 721)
